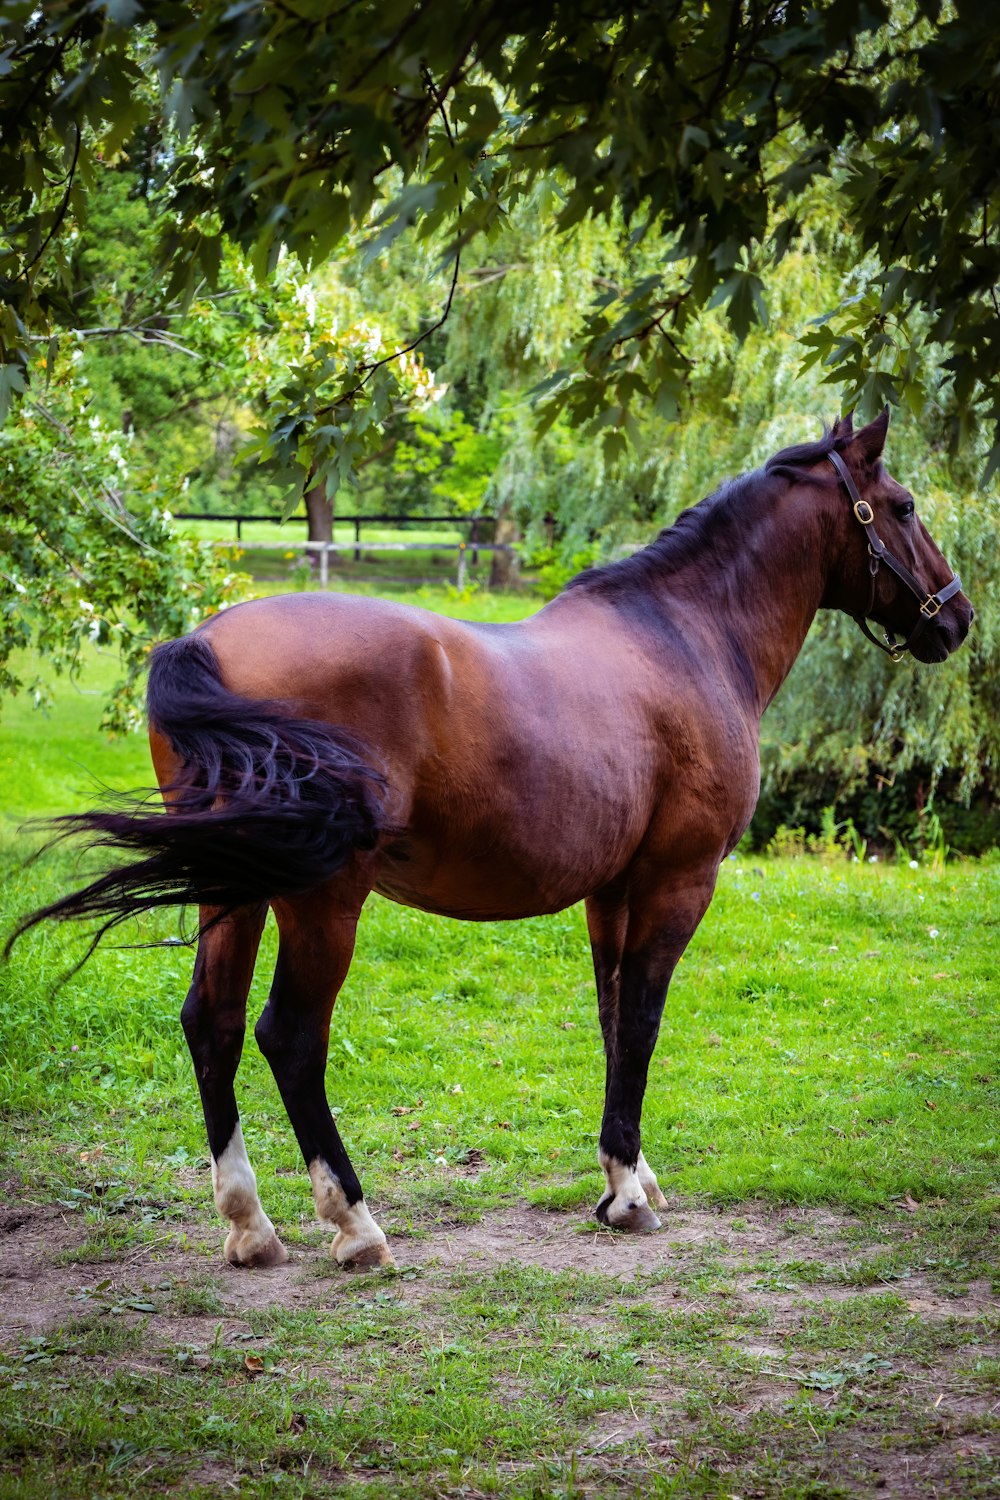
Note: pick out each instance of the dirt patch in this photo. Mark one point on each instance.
(572, 1242)
(39, 1289)
(747, 1287)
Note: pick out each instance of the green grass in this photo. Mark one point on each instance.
(540, 1384)
(829, 1049)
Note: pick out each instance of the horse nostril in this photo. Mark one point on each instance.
(972, 614)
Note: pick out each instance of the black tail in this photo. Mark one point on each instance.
(266, 805)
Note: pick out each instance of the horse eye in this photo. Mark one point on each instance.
(904, 509)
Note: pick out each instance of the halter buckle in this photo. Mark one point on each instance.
(864, 512)
(926, 608)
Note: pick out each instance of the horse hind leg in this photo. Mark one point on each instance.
(214, 1021)
(314, 954)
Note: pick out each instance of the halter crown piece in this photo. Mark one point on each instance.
(878, 554)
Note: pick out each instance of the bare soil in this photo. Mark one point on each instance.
(43, 1288)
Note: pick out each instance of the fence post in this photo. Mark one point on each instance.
(324, 566)
(462, 558)
(239, 528)
(357, 539)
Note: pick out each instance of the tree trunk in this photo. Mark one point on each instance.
(504, 568)
(319, 513)
(319, 518)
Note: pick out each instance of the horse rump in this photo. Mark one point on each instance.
(265, 804)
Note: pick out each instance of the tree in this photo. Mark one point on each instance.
(79, 564)
(295, 125)
(141, 407)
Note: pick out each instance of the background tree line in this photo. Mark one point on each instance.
(635, 251)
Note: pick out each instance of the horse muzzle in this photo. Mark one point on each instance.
(945, 632)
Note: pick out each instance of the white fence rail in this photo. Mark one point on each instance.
(324, 550)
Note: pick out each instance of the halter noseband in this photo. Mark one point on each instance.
(878, 554)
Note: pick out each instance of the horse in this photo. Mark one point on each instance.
(311, 749)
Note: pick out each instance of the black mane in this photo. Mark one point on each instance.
(726, 516)
(794, 462)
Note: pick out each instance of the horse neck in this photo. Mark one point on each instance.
(756, 604)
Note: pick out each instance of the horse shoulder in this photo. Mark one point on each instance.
(708, 770)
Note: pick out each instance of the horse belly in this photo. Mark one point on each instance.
(505, 871)
(477, 891)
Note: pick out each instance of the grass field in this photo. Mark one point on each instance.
(818, 1317)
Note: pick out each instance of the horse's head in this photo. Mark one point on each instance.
(889, 569)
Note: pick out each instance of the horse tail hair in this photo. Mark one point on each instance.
(266, 805)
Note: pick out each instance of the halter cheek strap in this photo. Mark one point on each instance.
(878, 554)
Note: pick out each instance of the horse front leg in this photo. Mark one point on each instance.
(607, 922)
(316, 945)
(214, 1021)
(653, 929)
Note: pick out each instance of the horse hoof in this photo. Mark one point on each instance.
(362, 1257)
(630, 1218)
(245, 1247)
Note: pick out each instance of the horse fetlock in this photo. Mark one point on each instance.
(234, 1185)
(358, 1241)
(625, 1204)
(649, 1184)
(251, 1240)
(238, 1201)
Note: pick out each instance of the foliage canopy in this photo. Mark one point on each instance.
(300, 124)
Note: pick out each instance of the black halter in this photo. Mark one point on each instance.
(878, 554)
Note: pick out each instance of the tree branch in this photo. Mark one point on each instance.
(369, 370)
(60, 215)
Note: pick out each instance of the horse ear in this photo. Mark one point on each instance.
(870, 441)
(844, 426)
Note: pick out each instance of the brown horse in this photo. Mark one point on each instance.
(312, 749)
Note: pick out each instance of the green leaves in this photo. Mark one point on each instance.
(89, 552)
(743, 293)
(876, 358)
(11, 384)
(409, 205)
